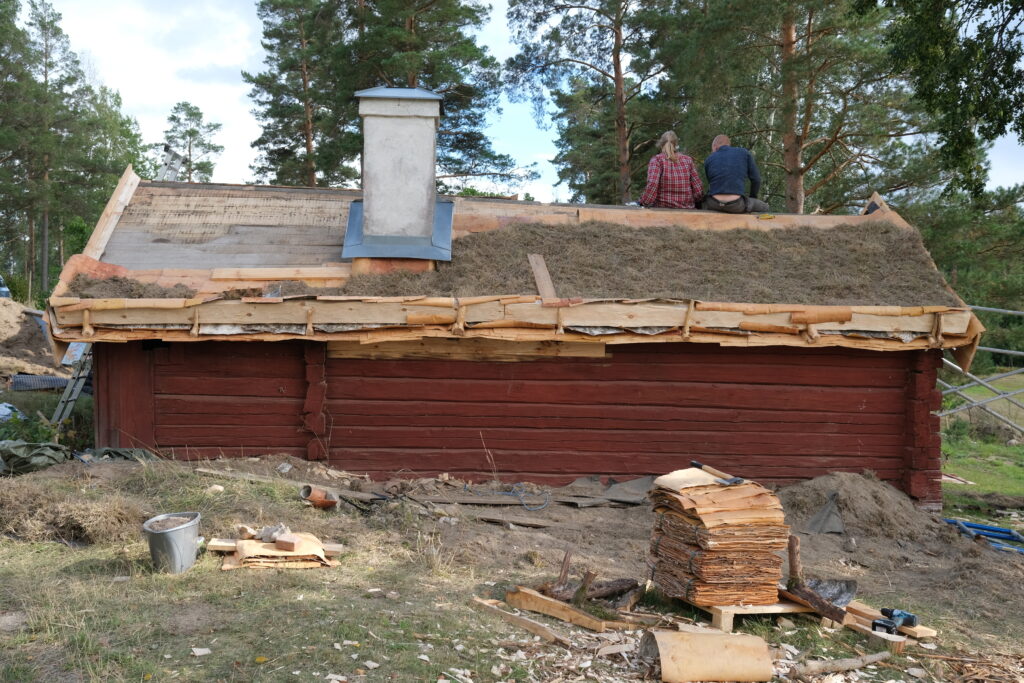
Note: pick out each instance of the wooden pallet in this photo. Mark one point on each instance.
(722, 616)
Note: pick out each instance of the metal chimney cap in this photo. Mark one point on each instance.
(384, 92)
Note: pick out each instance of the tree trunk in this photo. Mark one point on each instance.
(30, 256)
(791, 142)
(44, 261)
(307, 131)
(44, 230)
(621, 136)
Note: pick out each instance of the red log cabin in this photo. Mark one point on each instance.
(225, 322)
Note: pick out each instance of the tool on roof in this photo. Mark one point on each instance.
(723, 478)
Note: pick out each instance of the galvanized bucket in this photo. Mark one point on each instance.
(173, 550)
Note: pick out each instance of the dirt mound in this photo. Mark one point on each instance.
(32, 509)
(902, 556)
(870, 508)
(122, 287)
(23, 346)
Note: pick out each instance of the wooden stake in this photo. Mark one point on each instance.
(530, 625)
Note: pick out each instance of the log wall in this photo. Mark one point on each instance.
(772, 414)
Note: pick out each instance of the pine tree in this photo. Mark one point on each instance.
(806, 85)
(308, 137)
(320, 53)
(192, 137)
(564, 46)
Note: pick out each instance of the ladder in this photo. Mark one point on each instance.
(74, 388)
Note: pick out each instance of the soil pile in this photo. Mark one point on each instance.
(870, 508)
(118, 287)
(23, 346)
(902, 556)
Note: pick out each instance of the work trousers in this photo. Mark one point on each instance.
(739, 205)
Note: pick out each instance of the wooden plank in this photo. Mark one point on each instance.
(529, 599)
(306, 273)
(530, 625)
(465, 349)
(221, 545)
(541, 276)
(242, 313)
(870, 613)
(112, 212)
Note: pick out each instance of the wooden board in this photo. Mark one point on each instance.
(112, 212)
(466, 349)
(870, 613)
(529, 599)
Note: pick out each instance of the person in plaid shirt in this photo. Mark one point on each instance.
(672, 180)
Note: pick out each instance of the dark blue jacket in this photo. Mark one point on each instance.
(728, 170)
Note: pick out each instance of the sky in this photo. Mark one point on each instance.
(157, 53)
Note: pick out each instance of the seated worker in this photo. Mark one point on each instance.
(672, 179)
(728, 169)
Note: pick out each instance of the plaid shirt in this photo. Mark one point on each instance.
(672, 184)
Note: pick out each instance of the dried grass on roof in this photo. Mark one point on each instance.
(873, 264)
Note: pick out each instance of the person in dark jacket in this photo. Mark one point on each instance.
(728, 168)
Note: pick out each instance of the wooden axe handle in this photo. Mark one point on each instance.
(711, 470)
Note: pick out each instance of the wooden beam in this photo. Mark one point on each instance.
(466, 349)
(545, 287)
(302, 273)
(868, 612)
(112, 214)
(530, 625)
(529, 599)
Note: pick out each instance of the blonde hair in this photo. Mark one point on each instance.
(668, 143)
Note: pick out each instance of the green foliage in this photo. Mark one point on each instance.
(35, 429)
(978, 243)
(18, 286)
(807, 87)
(192, 137)
(592, 59)
(38, 406)
(63, 145)
(966, 61)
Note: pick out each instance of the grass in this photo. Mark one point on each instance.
(996, 469)
(1003, 406)
(100, 612)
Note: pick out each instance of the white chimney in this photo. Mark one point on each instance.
(400, 213)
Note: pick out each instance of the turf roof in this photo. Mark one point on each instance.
(870, 264)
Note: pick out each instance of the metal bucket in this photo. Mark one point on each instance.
(174, 550)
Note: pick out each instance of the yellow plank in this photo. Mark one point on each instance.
(465, 349)
(112, 213)
(302, 273)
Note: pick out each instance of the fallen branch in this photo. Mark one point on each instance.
(833, 666)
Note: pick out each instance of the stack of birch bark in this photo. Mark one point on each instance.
(715, 544)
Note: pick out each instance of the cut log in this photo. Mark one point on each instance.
(835, 666)
(707, 656)
(596, 591)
